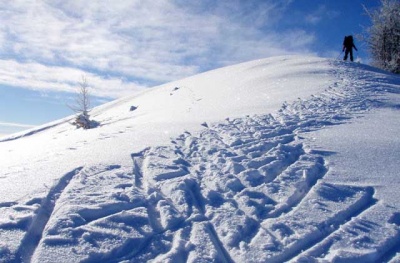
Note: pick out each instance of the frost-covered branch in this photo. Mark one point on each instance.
(384, 35)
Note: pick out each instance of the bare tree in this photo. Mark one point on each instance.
(82, 105)
(384, 35)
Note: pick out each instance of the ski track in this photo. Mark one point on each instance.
(238, 191)
(39, 221)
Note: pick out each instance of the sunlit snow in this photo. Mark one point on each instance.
(284, 159)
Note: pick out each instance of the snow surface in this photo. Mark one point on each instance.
(283, 159)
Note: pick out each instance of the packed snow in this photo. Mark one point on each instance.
(285, 159)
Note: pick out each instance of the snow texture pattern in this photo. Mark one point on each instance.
(243, 190)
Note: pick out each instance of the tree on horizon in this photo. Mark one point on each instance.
(384, 35)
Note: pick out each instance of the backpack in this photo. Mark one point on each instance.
(348, 41)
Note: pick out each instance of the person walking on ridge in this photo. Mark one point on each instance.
(348, 44)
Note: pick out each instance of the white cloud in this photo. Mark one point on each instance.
(7, 128)
(52, 78)
(16, 125)
(50, 43)
(322, 12)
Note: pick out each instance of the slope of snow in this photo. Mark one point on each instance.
(162, 113)
(282, 159)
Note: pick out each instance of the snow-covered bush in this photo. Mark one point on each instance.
(83, 121)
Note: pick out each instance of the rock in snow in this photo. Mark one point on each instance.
(285, 159)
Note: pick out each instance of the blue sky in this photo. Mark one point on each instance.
(124, 46)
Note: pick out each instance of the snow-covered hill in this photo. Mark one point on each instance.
(281, 159)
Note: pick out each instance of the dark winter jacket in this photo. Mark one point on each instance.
(348, 43)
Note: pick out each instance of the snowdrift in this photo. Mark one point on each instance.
(282, 159)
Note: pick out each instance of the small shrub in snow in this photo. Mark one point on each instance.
(82, 121)
(82, 105)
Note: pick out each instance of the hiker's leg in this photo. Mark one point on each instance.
(351, 54)
(346, 53)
